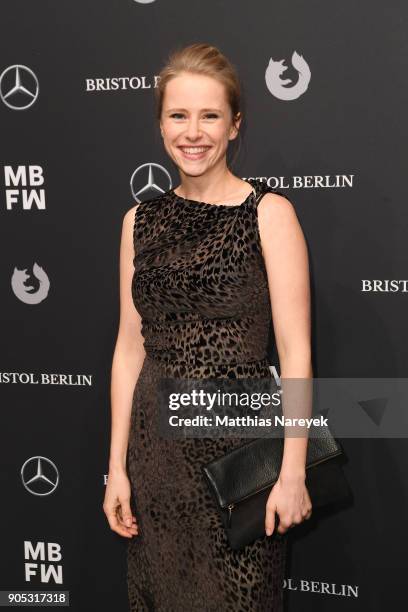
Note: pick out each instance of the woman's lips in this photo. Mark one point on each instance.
(194, 152)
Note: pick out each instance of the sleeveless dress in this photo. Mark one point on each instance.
(201, 289)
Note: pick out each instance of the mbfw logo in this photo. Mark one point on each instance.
(23, 187)
(384, 286)
(19, 87)
(30, 294)
(39, 476)
(283, 88)
(41, 559)
(149, 181)
(144, 1)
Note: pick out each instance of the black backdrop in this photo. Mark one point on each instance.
(85, 143)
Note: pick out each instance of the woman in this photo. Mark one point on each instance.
(210, 259)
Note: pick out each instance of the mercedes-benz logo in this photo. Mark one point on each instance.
(158, 181)
(39, 475)
(19, 87)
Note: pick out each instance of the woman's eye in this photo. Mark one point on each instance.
(182, 116)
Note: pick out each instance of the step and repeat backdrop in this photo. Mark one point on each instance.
(325, 98)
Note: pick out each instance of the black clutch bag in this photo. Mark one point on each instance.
(242, 479)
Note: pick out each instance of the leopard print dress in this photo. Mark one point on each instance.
(201, 288)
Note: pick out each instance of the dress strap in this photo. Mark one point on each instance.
(261, 187)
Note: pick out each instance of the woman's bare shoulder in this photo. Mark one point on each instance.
(130, 218)
(130, 214)
(277, 207)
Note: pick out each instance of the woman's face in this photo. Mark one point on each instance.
(196, 123)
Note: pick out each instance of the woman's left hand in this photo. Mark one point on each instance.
(290, 499)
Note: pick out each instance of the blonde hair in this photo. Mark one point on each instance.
(205, 59)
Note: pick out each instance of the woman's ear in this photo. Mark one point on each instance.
(234, 129)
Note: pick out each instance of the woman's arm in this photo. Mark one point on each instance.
(127, 363)
(129, 352)
(286, 261)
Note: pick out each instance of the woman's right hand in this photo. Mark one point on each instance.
(116, 504)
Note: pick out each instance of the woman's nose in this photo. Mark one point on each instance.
(193, 129)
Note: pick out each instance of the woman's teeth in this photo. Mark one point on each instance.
(194, 151)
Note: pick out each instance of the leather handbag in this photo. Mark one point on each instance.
(242, 479)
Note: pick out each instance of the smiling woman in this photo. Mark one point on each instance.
(199, 117)
(199, 271)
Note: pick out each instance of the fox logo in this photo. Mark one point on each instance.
(278, 87)
(26, 293)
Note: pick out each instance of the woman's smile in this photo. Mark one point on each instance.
(194, 152)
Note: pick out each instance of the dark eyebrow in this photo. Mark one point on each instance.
(172, 110)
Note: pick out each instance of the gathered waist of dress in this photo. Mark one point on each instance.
(193, 369)
(206, 341)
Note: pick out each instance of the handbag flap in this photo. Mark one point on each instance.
(255, 465)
